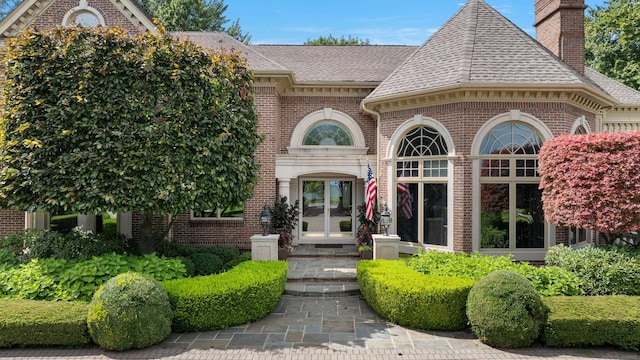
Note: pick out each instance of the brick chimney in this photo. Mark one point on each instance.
(560, 28)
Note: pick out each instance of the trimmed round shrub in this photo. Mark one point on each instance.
(129, 311)
(206, 263)
(505, 310)
(173, 249)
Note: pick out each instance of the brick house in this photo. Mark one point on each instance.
(451, 128)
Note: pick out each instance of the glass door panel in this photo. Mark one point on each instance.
(341, 207)
(313, 207)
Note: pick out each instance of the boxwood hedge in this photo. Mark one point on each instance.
(245, 293)
(407, 297)
(43, 323)
(593, 321)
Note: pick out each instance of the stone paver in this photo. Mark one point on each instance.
(340, 328)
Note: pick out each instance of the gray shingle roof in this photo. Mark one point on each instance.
(624, 94)
(338, 63)
(220, 40)
(478, 46)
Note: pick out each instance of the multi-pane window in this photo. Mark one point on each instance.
(328, 133)
(233, 212)
(422, 171)
(511, 215)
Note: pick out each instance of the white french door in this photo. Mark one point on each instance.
(328, 211)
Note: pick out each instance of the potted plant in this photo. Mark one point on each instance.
(366, 229)
(284, 218)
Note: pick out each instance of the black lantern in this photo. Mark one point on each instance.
(385, 220)
(265, 218)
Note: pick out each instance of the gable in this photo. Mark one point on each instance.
(45, 14)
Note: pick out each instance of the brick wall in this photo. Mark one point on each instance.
(463, 120)
(54, 15)
(238, 233)
(560, 28)
(11, 221)
(295, 109)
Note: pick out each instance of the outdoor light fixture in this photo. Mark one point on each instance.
(265, 217)
(385, 220)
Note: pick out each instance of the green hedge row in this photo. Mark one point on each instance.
(407, 297)
(43, 323)
(246, 293)
(593, 321)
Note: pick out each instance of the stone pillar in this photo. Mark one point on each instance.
(124, 222)
(284, 188)
(385, 247)
(264, 247)
(37, 220)
(87, 222)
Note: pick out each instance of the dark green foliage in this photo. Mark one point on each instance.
(95, 120)
(189, 266)
(43, 323)
(611, 47)
(342, 40)
(593, 321)
(505, 310)
(75, 245)
(173, 249)
(247, 292)
(602, 271)
(206, 264)
(238, 260)
(57, 279)
(548, 281)
(226, 254)
(129, 311)
(284, 218)
(408, 298)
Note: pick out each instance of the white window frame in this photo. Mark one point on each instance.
(476, 158)
(83, 7)
(392, 158)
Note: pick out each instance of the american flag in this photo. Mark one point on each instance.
(370, 192)
(405, 201)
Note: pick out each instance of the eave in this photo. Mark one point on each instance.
(579, 95)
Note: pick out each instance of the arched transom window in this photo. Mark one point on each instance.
(328, 133)
(510, 201)
(422, 170)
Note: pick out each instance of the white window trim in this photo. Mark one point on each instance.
(83, 6)
(192, 217)
(295, 145)
(485, 129)
(581, 121)
(392, 188)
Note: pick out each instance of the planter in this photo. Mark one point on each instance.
(283, 254)
(366, 255)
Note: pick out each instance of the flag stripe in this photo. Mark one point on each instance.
(371, 189)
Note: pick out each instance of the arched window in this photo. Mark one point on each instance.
(511, 215)
(327, 133)
(422, 175)
(83, 15)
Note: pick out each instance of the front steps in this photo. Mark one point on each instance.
(322, 272)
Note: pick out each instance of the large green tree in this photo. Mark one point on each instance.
(194, 15)
(332, 40)
(95, 120)
(613, 40)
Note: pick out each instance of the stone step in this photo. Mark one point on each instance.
(324, 251)
(322, 289)
(320, 269)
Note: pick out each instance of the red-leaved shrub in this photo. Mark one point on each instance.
(592, 181)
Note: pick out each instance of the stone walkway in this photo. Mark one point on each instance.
(333, 325)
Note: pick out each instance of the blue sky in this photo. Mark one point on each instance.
(406, 22)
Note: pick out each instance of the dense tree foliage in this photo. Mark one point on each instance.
(331, 40)
(592, 181)
(613, 40)
(95, 121)
(194, 15)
